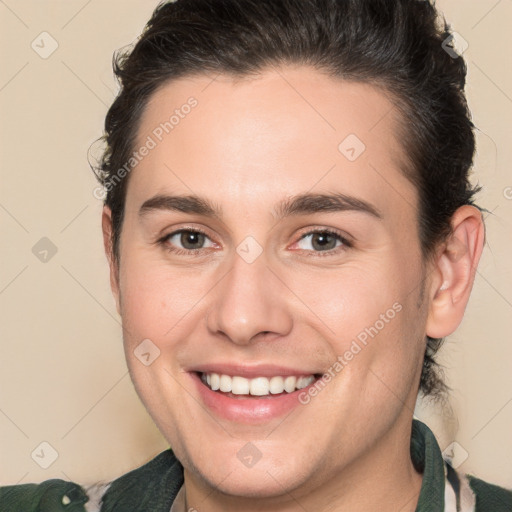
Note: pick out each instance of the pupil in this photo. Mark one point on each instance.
(323, 240)
(190, 238)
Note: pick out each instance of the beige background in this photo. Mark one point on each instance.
(63, 378)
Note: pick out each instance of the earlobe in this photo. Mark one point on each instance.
(106, 225)
(454, 272)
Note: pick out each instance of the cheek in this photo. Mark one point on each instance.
(156, 299)
(369, 314)
(348, 300)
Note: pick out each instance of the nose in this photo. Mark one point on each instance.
(250, 300)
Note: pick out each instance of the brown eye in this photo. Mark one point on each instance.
(186, 241)
(322, 241)
(191, 239)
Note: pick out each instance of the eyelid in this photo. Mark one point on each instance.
(163, 240)
(344, 238)
(346, 241)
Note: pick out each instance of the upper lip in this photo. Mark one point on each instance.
(252, 371)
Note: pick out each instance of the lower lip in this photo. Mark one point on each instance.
(247, 410)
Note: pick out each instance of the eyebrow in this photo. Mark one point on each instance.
(296, 205)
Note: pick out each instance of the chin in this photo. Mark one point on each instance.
(254, 483)
(276, 473)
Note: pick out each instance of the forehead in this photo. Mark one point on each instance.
(288, 130)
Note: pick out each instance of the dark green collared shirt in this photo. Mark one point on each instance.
(154, 486)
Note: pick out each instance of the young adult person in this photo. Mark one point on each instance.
(291, 233)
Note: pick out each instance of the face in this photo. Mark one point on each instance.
(266, 287)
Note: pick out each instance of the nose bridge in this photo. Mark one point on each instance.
(249, 300)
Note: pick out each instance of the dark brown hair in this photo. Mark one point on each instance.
(400, 46)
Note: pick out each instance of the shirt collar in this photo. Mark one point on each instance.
(427, 459)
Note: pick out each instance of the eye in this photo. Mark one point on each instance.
(323, 240)
(191, 241)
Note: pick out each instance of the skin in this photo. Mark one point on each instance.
(246, 146)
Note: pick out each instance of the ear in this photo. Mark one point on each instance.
(106, 225)
(454, 272)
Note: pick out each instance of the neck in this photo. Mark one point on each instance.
(383, 478)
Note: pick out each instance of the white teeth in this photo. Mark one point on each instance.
(303, 382)
(289, 384)
(225, 383)
(276, 385)
(239, 386)
(260, 386)
(214, 381)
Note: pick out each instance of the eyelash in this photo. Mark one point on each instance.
(192, 252)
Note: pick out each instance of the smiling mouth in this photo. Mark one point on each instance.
(235, 386)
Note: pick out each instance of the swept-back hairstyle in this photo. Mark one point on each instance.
(400, 46)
